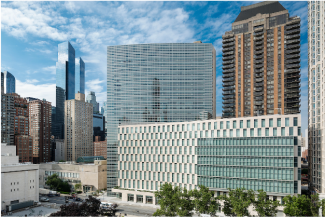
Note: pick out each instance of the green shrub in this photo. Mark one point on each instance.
(64, 192)
(79, 192)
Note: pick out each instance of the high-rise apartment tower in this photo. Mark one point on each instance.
(40, 123)
(261, 62)
(156, 83)
(316, 95)
(78, 122)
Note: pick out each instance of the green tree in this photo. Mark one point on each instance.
(323, 207)
(185, 206)
(315, 204)
(77, 186)
(57, 184)
(263, 206)
(204, 201)
(297, 206)
(238, 201)
(168, 198)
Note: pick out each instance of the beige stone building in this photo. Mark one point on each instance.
(91, 176)
(19, 181)
(78, 123)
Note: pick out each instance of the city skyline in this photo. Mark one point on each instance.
(160, 22)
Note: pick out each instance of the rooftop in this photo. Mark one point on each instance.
(259, 8)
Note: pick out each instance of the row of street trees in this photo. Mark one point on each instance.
(57, 184)
(175, 201)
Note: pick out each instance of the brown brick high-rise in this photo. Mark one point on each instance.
(261, 62)
(23, 142)
(40, 112)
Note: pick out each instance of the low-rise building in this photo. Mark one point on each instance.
(59, 150)
(92, 176)
(19, 181)
(262, 152)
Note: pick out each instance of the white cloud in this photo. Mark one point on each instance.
(31, 81)
(95, 85)
(41, 91)
(51, 69)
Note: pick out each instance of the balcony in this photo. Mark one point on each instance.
(228, 105)
(258, 65)
(294, 80)
(292, 46)
(258, 52)
(228, 71)
(228, 79)
(292, 36)
(258, 98)
(292, 51)
(260, 84)
(258, 47)
(292, 61)
(256, 34)
(228, 97)
(228, 110)
(228, 88)
(292, 56)
(227, 75)
(294, 41)
(228, 92)
(295, 100)
(228, 44)
(228, 57)
(229, 101)
(293, 66)
(294, 90)
(228, 53)
(291, 95)
(228, 66)
(227, 49)
(292, 26)
(258, 89)
(258, 43)
(228, 40)
(261, 93)
(259, 75)
(292, 31)
(225, 84)
(258, 56)
(293, 85)
(259, 61)
(228, 62)
(292, 75)
(258, 103)
(259, 79)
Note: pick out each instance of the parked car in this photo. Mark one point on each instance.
(44, 199)
(79, 199)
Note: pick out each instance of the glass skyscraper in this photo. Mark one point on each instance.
(156, 83)
(8, 82)
(80, 76)
(70, 78)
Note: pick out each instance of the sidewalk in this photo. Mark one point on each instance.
(120, 202)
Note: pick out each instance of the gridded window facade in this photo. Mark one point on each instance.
(157, 83)
(193, 154)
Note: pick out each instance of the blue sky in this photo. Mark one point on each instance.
(31, 31)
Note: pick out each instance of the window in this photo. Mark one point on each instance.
(287, 122)
(248, 124)
(259, 132)
(255, 123)
(263, 122)
(299, 131)
(271, 122)
(279, 122)
(228, 124)
(241, 124)
(282, 131)
(290, 131)
(245, 132)
(221, 125)
(234, 124)
(266, 131)
(252, 132)
(295, 121)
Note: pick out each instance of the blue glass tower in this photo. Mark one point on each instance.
(8, 82)
(156, 83)
(80, 76)
(65, 83)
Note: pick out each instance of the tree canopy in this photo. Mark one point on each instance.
(263, 206)
(204, 201)
(57, 184)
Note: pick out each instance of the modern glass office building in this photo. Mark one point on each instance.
(80, 76)
(65, 83)
(261, 152)
(8, 83)
(156, 83)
